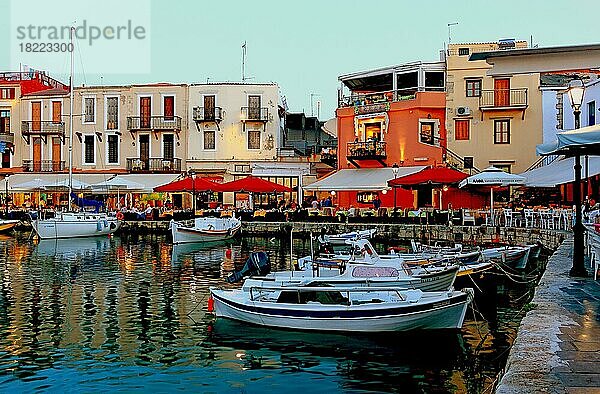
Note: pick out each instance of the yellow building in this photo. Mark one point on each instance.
(491, 120)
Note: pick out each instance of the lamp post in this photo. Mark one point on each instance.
(576, 92)
(193, 175)
(395, 170)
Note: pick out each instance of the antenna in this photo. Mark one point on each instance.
(449, 26)
(244, 62)
(312, 107)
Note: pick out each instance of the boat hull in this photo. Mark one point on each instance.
(183, 234)
(7, 225)
(57, 228)
(444, 314)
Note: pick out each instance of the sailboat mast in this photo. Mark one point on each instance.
(71, 121)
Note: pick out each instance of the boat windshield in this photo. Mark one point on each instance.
(304, 297)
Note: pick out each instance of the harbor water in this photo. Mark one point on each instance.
(129, 314)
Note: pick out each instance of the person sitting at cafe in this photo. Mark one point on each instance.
(376, 202)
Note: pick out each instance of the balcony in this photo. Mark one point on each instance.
(154, 123)
(43, 166)
(7, 137)
(376, 101)
(42, 128)
(503, 99)
(207, 114)
(154, 165)
(329, 156)
(366, 150)
(255, 114)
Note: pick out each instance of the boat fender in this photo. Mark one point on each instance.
(105, 223)
(171, 224)
(120, 215)
(229, 232)
(99, 225)
(211, 304)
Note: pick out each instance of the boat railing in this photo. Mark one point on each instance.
(400, 292)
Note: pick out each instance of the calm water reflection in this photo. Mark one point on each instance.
(127, 314)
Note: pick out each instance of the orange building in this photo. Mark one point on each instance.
(386, 118)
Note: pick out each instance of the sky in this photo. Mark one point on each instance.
(303, 46)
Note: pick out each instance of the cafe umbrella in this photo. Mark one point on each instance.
(492, 176)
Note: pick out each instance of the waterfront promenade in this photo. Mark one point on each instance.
(557, 349)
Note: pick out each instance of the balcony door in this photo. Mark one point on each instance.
(145, 151)
(56, 154)
(253, 107)
(56, 112)
(145, 112)
(37, 154)
(36, 116)
(209, 107)
(501, 92)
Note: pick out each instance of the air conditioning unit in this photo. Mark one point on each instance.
(463, 111)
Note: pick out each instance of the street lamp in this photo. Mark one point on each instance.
(395, 170)
(576, 92)
(193, 175)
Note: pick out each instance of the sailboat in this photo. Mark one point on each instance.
(74, 224)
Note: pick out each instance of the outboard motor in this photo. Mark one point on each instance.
(257, 264)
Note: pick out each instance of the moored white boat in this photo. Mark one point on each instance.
(359, 309)
(204, 229)
(512, 256)
(75, 225)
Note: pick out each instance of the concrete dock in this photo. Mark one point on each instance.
(557, 349)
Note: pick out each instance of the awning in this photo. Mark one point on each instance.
(430, 176)
(585, 140)
(559, 172)
(330, 127)
(148, 181)
(493, 176)
(361, 179)
(52, 179)
(252, 184)
(190, 185)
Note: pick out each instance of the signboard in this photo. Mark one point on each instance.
(468, 162)
(370, 108)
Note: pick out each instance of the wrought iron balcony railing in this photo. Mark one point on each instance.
(207, 114)
(42, 127)
(366, 150)
(503, 98)
(157, 122)
(155, 164)
(255, 114)
(43, 166)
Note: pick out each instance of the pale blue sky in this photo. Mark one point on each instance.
(304, 46)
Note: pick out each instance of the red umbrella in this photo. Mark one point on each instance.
(435, 175)
(186, 185)
(252, 184)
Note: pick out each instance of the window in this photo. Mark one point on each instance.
(88, 149)
(113, 148)
(591, 107)
(112, 113)
(209, 140)
(4, 122)
(434, 80)
(7, 93)
(502, 131)
(169, 107)
(245, 168)
(463, 51)
(253, 139)
(168, 146)
(473, 87)
(427, 133)
(56, 111)
(461, 129)
(89, 110)
(209, 108)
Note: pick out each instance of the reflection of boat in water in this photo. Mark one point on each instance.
(73, 247)
(181, 252)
